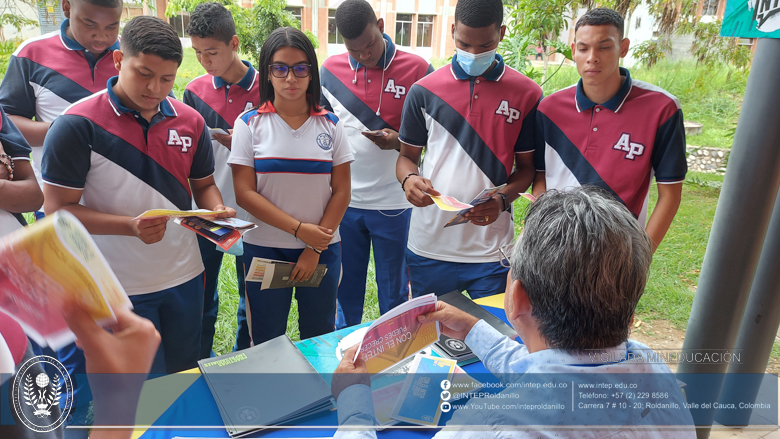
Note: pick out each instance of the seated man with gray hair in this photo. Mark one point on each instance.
(577, 273)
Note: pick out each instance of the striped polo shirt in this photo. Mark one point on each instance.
(471, 128)
(293, 167)
(220, 103)
(48, 73)
(125, 165)
(355, 94)
(619, 145)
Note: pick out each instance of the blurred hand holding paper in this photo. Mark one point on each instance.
(47, 263)
(213, 131)
(397, 334)
(482, 198)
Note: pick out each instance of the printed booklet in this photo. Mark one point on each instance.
(44, 264)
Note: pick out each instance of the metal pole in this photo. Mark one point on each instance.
(758, 330)
(740, 224)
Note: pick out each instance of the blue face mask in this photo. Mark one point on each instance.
(475, 65)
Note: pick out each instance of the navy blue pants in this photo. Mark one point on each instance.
(267, 310)
(212, 261)
(177, 314)
(387, 232)
(441, 277)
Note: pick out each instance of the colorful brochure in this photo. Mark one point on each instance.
(397, 334)
(483, 197)
(528, 196)
(449, 204)
(387, 386)
(44, 264)
(276, 274)
(159, 213)
(421, 398)
(223, 233)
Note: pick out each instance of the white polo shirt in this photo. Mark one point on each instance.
(124, 166)
(471, 129)
(293, 167)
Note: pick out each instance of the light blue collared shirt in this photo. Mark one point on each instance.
(510, 361)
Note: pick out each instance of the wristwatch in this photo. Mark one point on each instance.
(507, 204)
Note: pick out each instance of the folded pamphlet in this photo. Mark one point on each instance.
(277, 274)
(47, 263)
(223, 233)
(482, 198)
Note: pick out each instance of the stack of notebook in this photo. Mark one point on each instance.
(456, 349)
(263, 386)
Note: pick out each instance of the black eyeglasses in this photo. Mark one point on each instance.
(282, 70)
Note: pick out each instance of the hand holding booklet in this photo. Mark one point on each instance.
(224, 232)
(277, 274)
(47, 263)
(397, 334)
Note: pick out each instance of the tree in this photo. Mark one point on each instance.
(531, 24)
(11, 14)
(710, 48)
(253, 25)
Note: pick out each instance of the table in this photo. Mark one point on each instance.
(184, 400)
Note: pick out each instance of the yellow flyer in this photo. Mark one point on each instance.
(159, 213)
(48, 262)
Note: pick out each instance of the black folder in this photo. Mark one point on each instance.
(265, 385)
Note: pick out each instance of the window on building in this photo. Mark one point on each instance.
(710, 7)
(638, 23)
(403, 29)
(180, 23)
(745, 41)
(334, 37)
(424, 30)
(297, 12)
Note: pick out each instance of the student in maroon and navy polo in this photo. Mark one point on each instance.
(228, 88)
(128, 149)
(476, 121)
(613, 131)
(366, 88)
(20, 191)
(48, 73)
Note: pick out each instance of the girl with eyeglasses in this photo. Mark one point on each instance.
(290, 163)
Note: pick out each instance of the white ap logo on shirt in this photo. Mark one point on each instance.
(631, 148)
(512, 114)
(174, 139)
(397, 90)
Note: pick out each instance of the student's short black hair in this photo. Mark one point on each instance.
(151, 36)
(212, 20)
(600, 17)
(288, 37)
(353, 16)
(103, 3)
(479, 13)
